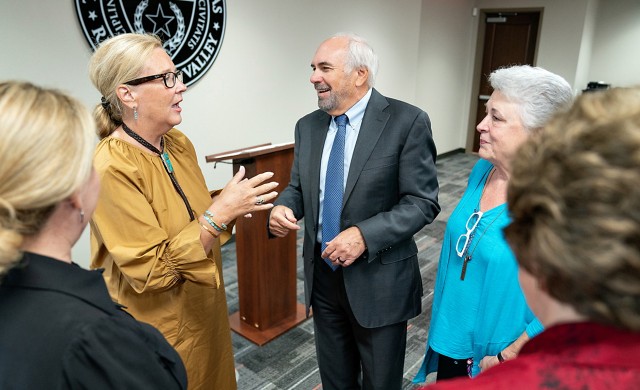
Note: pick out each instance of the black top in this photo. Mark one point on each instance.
(59, 329)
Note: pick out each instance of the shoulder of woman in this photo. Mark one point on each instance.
(479, 169)
(482, 165)
(111, 149)
(178, 141)
(116, 157)
(120, 352)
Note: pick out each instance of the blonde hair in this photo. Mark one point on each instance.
(575, 203)
(46, 153)
(116, 61)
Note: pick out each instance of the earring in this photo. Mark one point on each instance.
(135, 113)
(81, 216)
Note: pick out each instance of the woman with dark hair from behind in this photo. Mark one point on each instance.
(59, 328)
(575, 204)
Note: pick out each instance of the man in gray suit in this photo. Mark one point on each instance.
(362, 278)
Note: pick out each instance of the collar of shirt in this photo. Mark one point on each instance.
(355, 114)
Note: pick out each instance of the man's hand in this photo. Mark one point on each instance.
(281, 221)
(345, 248)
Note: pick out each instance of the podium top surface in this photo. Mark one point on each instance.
(250, 152)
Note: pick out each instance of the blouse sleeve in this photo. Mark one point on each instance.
(113, 354)
(127, 224)
(534, 328)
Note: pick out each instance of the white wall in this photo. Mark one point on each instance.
(258, 87)
(615, 57)
(586, 47)
(445, 69)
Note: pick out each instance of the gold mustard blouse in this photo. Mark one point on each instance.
(153, 260)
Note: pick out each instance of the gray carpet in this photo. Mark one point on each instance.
(289, 361)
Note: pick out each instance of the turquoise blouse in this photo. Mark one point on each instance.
(485, 312)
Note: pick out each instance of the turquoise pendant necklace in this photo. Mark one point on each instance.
(166, 162)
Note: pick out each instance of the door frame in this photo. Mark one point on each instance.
(477, 64)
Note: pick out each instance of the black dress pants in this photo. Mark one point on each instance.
(449, 368)
(349, 355)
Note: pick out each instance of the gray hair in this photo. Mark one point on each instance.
(538, 92)
(360, 54)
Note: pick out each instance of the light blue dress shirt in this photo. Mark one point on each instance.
(355, 115)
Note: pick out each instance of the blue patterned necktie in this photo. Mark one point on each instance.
(334, 187)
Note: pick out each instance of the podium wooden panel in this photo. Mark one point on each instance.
(266, 267)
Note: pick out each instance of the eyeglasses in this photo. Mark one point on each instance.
(169, 78)
(474, 220)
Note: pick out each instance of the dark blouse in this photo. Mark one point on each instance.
(59, 329)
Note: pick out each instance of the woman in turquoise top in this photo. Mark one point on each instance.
(479, 316)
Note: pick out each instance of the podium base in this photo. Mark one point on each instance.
(263, 336)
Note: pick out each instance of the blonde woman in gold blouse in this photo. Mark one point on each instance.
(156, 230)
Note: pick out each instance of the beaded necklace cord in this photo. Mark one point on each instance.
(468, 255)
(166, 162)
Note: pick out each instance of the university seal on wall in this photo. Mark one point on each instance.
(191, 30)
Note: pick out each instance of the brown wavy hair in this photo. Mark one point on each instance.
(574, 196)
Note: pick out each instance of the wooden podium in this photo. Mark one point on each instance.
(266, 267)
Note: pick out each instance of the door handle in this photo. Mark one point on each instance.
(484, 97)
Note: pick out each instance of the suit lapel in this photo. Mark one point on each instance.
(319, 129)
(373, 123)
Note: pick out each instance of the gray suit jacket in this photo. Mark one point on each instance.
(391, 193)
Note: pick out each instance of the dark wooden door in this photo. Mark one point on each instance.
(509, 39)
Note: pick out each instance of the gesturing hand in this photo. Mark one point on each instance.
(242, 196)
(282, 221)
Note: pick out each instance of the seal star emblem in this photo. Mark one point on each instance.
(160, 19)
(191, 31)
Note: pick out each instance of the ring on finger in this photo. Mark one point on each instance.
(259, 200)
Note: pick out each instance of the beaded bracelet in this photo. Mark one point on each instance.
(213, 224)
(208, 213)
(207, 229)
